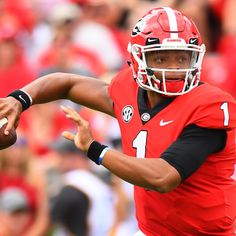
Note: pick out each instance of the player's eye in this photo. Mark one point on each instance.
(183, 60)
(155, 59)
(159, 59)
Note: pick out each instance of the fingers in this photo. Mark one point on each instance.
(9, 126)
(68, 135)
(70, 113)
(10, 108)
(83, 138)
(73, 115)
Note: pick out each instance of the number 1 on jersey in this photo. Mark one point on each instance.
(140, 144)
(225, 109)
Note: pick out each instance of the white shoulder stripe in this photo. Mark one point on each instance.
(172, 21)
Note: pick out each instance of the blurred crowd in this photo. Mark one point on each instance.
(38, 192)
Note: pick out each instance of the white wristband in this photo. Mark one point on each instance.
(102, 155)
(30, 98)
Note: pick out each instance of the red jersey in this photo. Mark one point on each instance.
(203, 204)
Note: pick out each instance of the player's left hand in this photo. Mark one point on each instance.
(11, 109)
(83, 138)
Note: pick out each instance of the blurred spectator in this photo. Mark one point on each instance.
(215, 71)
(22, 186)
(227, 9)
(25, 18)
(45, 6)
(21, 10)
(63, 54)
(84, 206)
(42, 124)
(100, 123)
(227, 44)
(14, 212)
(38, 37)
(219, 66)
(125, 222)
(100, 33)
(14, 70)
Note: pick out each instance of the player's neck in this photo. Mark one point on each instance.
(154, 98)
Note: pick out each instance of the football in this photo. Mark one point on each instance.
(6, 140)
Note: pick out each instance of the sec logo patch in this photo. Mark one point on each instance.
(127, 113)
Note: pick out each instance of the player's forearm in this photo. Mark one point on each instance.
(86, 91)
(50, 87)
(150, 173)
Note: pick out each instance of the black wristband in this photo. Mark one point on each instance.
(94, 152)
(22, 97)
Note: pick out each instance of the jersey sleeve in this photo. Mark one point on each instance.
(119, 83)
(216, 113)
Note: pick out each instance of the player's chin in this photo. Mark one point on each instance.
(171, 76)
(172, 79)
(175, 76)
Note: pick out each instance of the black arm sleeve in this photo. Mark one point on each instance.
(70, 209)
(192, 147)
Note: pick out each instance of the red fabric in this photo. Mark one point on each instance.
(15, 77)
(204, 204)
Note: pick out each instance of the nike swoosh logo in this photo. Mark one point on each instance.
(192, 41)
(150, 40)
(22, 99)
(163, 123)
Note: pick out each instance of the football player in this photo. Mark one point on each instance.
(178, 134)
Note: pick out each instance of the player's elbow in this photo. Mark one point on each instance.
(164, 187)
(160, 176)
(167, 179)
(166, 183)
